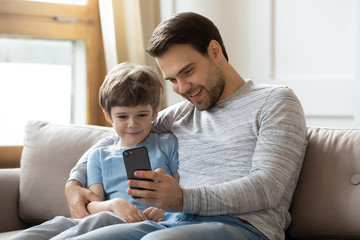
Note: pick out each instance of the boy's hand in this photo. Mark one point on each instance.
(126, 210)
(155, 214)
(77, 198)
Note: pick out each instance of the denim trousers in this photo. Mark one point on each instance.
(179, 226)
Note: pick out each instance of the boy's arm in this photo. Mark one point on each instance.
(118, 206)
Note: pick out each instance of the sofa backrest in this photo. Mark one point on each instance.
(326, 203)
(50, 151)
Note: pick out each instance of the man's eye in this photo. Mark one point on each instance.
(188, 71)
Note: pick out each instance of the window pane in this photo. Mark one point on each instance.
(36, 83)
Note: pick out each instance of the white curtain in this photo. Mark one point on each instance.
(127, 26)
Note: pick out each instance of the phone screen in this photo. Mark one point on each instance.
(136, 159)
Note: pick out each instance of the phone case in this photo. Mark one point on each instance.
(136, 159)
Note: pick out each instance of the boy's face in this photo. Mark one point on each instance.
(194, 76)
(132, 124)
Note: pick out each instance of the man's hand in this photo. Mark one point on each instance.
(77, 198)
(164, 192)
(155, 214)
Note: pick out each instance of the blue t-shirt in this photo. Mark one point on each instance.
(106, 165)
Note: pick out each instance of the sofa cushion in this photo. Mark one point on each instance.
(326, 203)
(50, 151)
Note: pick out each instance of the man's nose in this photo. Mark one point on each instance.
(183, 87)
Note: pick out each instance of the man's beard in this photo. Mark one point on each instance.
(216, 90)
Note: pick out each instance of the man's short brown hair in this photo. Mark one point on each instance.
(184, 28)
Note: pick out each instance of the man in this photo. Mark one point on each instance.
(241, 146)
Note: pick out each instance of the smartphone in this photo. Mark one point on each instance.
(136, 159)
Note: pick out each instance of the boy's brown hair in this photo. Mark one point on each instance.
(129, 85)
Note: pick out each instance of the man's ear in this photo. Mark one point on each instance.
(155, 113)
(107, 116)
(214, 50)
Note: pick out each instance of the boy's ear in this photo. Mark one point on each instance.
(107, 116)
(155, 113)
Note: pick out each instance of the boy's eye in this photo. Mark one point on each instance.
(122, 116)
(143, 115)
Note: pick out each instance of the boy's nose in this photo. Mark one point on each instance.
(131, 123)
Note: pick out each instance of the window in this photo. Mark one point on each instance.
(37, 81)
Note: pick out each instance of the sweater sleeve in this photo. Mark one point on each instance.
(79, 172)
(275, 164)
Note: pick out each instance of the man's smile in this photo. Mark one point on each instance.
(194, 97)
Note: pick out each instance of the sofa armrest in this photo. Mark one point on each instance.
(9, 200)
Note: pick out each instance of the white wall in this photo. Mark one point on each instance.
(314, 42)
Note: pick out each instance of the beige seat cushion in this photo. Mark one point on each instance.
(327, 199)
(50, 151)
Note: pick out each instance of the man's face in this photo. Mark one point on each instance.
(194, 76)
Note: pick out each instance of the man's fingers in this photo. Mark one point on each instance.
(147, 185)
(156, 175)
(141, 194)
(77, 198)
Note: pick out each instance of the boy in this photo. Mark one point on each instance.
(129, 97)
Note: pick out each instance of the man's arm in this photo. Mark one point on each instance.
(77, 196)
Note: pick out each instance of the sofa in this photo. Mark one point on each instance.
(326, 203)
